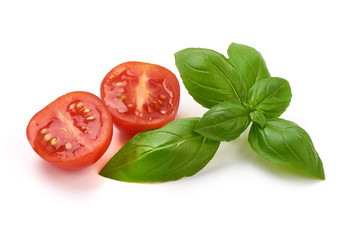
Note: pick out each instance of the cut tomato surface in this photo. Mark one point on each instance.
(72, 132)
(141, 96)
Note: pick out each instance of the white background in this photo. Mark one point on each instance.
(50, 48)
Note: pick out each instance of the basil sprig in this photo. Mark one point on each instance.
(265, 99)
(238, 91)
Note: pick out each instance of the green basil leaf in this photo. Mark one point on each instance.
(249, 63)
(285, 142)
(270, 96)
(208, 76)
(258, 117)
(224, 122)
(169, 153)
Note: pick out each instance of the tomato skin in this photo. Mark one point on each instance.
(140, 96)
(72, 132)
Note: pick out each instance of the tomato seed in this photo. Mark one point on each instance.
(43, 131)
(122, 97)
(53, 141)
(68, 146)
(120, 84)
(72, 106)
(47, 137)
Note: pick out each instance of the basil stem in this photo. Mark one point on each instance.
(258, 117)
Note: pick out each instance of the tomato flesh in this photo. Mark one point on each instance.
(72, 132)
(141, 96)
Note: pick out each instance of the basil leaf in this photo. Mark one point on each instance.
(270, 96)
(258, 117)
(285, 142)
(249, 63)
(169, 153)
(224, 122)
(208, 76)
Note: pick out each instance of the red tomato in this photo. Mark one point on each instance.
(141, 96)
(72, 132)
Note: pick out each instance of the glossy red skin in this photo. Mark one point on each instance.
(89, 139)
(152, 105)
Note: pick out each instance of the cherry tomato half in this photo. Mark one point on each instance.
(72, 132)
(141, 96)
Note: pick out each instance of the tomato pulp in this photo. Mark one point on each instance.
(141, 96)
(72, 132)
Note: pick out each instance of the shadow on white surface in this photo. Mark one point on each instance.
(82, 179)
(72, 180)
